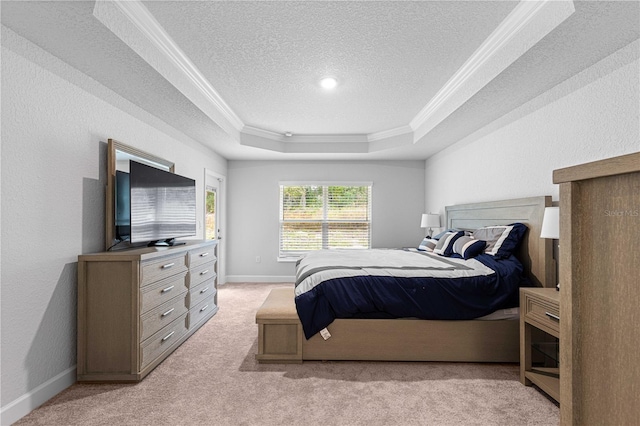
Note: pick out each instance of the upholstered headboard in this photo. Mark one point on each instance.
(534, 252)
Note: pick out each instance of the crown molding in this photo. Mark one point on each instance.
(517, 20)
(319, 138)
(329, 139)
(266, 134)
(529, 21)
(391, 133)
(144, 21)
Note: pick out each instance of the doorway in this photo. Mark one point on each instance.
(214, 217)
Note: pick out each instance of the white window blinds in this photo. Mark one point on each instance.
(324, 216)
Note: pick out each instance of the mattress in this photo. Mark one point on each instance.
(381, 283)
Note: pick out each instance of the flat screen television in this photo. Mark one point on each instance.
(161, 205)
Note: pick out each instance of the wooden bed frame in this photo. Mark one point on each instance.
(280, 338)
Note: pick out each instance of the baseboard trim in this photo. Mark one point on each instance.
(28, 402)
(260, 279)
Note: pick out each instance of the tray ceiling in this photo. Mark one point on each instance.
(413, 77)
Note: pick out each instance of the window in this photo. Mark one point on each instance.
(324, 216)
(210, 211)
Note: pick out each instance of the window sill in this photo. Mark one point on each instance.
(287, 259)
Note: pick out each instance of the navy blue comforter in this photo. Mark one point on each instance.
(425, 298)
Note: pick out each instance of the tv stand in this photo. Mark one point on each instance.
(170, 242)
(158, 244)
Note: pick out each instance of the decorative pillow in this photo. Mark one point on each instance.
(468, 247)
(445, 243)
(501, 240)
(438, 236)
(427, 244)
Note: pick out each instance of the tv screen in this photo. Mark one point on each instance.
(162, 205)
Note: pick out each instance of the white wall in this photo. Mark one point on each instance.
(594, 115)
(53, 180)
(253, 196)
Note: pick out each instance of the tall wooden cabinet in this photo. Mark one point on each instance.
(137, 306)
(599, 292)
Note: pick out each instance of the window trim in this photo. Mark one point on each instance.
(294, 257)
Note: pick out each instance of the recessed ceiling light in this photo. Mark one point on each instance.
(288, 134)
(328, 83)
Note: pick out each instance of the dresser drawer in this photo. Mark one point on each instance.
(542, 313)
(163, 340)
(159, 317)
(155, 270)
(202, 255)
(158, 293)
(201, 274)
(201, 292)
(204, 309)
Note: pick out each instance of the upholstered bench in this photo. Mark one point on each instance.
(279, 329)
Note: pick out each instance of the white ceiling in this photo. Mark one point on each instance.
(413, 77)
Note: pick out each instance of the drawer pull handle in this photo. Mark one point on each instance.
(167, 313)
(204, 308)
(550, 315)
(204, 254)
(204, 290)
(205, 272)
(168, 265)
(168, 289)
(168, 336)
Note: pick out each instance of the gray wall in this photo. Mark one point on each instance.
(253, 196)
(54, 137)
(591, 116)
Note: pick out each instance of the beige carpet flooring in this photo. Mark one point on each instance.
(213, 379)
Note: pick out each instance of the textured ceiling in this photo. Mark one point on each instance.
(264, 59)
(69, 31)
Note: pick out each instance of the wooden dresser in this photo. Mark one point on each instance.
(599, 291)
(135, 307)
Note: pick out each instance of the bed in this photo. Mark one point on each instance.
(412, 339)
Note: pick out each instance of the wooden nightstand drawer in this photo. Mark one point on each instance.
(542, 313)
(539, 309)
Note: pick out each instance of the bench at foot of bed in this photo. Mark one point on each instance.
(279, 329)
(280, 338)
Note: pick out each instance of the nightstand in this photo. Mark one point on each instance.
(540, 311)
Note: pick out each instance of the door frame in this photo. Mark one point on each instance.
(218, 181)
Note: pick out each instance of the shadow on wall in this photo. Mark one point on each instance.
(54, 342)
(51, 347)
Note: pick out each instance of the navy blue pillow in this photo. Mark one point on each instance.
(501, 240)
(468, 247)
(445, 243)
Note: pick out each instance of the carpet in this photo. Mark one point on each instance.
(213, 379)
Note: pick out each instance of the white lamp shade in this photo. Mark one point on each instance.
(430, 220)
(551, 223)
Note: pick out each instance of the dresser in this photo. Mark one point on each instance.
(136, 306)
(599, 285)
